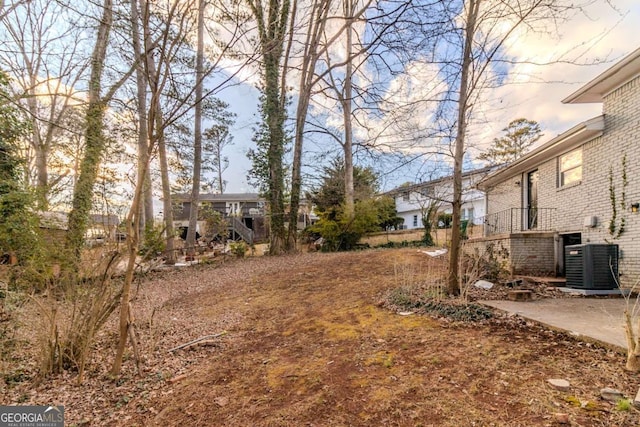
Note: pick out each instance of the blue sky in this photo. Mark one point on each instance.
(602, 37)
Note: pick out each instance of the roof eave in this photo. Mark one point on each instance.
(594, 91)
(433, 182)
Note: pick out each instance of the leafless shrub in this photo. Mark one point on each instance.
(632, 333)
(72, 312)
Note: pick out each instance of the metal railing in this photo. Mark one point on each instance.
(515, 220)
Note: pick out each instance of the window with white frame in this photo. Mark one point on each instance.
(570, 168)
(405, 196)
(415, 220)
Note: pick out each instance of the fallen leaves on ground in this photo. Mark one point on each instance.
(308, 343)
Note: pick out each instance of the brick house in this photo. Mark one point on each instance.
(412, 200)
(583, 186)
(243, 212)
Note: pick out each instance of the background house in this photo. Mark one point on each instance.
(582, 186)
(101, 227)
(413, 200)
(243, 212)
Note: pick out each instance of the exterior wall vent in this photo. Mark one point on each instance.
(592, 266)
(590, 221)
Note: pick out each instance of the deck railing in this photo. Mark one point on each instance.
(516, 220)
(236, 225)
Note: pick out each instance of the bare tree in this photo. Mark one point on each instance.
(316, 22)
(319, 40)
(197, 144)
(43, 52)
(486, 27)
(94, 137)
(163, 39)
(165, 44)
(146, 220)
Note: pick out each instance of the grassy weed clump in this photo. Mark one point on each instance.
(238, 248)
(624, 405)
(404, 299)
(469, 312)
(403, 244)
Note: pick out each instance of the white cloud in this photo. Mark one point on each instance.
(601, 35)
(531, 91)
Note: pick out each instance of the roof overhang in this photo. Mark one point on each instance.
(562, 143)
(486, 170)
(594, 91)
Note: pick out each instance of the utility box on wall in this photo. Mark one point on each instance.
(591, 266)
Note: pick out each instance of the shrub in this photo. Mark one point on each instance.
(489, 264)
(444, 220)
(238, 248)
(154, 242)
(341, 233)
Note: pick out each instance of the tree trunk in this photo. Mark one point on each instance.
(633, 342)
(197, 143)
(42, 179)
(155, 129)
(296, 180)
(220, 180)
(275, 152)
(167, 205)
(349, 202)
(94, 142)
(133, 239)
(316, 26)
(272, 31)
(146, 208)
(453, 285)
(134, 218)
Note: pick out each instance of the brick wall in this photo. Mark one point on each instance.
(591, 196)
(505, 195)
(522, 253)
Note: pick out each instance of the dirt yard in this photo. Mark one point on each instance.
(308, 341)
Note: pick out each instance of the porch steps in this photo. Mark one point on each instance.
(549, 281)
(520, 295)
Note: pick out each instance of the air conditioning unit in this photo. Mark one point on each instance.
(591, 266)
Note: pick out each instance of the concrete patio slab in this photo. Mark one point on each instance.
(599, 319)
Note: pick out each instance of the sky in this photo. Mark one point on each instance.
(597, 40)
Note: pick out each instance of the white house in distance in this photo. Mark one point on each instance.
(412, 200)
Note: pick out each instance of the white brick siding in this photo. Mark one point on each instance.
(591, 196)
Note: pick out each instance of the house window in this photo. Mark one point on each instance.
(415, 220)
(405, 196)
(570, 168)
(428, 192)
(467, 214)
(233, 208)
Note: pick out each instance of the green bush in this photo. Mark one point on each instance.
(154, 242)
(238, 248)
(341, 233)
(445, 220)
